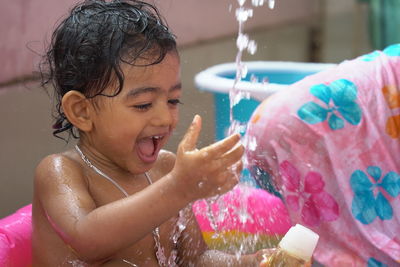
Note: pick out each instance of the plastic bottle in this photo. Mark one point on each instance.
(295, 249)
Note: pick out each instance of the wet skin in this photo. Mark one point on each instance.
(77, 214)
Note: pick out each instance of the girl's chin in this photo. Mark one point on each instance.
(141, 167)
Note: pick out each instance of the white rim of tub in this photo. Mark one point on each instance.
(209, 79)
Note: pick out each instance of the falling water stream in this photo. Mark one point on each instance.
(244, 44)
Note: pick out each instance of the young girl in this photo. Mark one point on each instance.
(118, 199)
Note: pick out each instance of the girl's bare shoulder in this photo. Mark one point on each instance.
(59, 168)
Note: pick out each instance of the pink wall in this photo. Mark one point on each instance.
(23, 27)
(25, 24)
(199, 20)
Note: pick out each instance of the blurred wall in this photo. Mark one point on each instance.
(25, 135)
(26, 25)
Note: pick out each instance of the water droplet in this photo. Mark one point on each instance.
(244, 71)
(241, 2)
(246, 95)
(74, 263)
(210, 214)
(243, 215)
(181, 226)
(242, 129)
(271, 4)
(242, 41)
(253, 78)
(241, 71)
(252, 144)
(242, 14)
(200, 184)
(236, 99)
(221, 216)
(257, 2)
(252, 47)
(233, 169)
(238, 254)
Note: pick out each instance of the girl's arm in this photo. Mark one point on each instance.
(96, 233)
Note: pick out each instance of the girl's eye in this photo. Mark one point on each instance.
(174, 102)
(143, 106)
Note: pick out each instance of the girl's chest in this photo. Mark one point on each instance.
(143, 253)
(104, 191)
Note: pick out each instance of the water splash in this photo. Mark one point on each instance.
(251, 143)
(210, 214)
(244, 44)
(179, 228)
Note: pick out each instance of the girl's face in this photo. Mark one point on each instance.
(131, 128)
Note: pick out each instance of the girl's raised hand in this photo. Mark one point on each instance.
(212, 170)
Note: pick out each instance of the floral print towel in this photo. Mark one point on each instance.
(330, 147)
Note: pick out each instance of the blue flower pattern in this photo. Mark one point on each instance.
(375, 263)
(371, 188)
(366, 206)
(391, 51)
(371, 56)
(339, 105)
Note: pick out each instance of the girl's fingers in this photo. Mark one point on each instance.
(189, 141)
(223, 146)
(230, 182)
(237, 168)
(228, 161)
(233, 155)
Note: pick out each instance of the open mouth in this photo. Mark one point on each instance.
(156, 143)
(149, 147)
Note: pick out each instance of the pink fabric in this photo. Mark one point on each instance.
(331, 146)
(15, 238)
(266, 212)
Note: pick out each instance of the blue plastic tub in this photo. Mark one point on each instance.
(219, 80)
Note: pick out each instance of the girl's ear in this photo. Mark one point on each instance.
(77, 109)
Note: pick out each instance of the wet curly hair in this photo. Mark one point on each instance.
(88, 47)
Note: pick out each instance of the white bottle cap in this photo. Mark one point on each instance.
(299, 242)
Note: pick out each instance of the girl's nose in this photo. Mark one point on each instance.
(163, 116)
